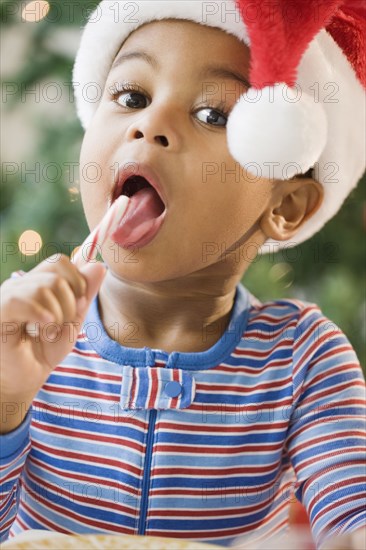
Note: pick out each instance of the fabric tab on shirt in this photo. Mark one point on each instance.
(143, 388)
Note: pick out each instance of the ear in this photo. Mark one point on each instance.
(292, 203)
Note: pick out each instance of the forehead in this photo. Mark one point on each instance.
(187, 42)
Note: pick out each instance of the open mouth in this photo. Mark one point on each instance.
(134, 184)
(144, 215)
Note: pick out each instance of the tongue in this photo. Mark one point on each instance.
(144, 208)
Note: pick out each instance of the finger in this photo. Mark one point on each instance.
(66, 298)
(28, 315)
(62, 266)
(29, 310)
(49, 301)
(94, 274)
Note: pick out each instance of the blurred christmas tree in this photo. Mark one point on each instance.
(41, 139)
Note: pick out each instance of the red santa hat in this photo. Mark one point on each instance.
(306, 105)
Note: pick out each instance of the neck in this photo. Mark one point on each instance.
(174, 315)
(186, 314)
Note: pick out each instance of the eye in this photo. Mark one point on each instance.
(128, 96)
(132, 100)
(212, 116)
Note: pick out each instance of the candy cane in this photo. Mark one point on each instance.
(101, 233)
(89, 249)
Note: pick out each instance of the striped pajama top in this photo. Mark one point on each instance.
(206, 446)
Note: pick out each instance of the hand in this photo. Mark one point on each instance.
(54, 295)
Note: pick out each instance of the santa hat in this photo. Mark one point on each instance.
(306, 105)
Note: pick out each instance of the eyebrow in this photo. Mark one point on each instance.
(222, 72)
(209, 71)
(135, 55)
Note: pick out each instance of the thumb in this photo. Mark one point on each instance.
(94, 274)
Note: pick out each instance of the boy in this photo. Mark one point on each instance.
(168, 401)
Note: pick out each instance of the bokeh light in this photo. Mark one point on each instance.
(30, 242)
(35, 11)
(282, 273)
(74, 194)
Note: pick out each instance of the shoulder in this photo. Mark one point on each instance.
(284, 312)
(299, 324)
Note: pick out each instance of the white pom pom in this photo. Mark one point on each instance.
(276, 132)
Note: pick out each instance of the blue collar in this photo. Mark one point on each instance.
(141, 357)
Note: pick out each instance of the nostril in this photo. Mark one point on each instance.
(163, 140)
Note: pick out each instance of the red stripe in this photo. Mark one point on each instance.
(262, 406)
(332, 391)
(340, 502)
(339, 519)
(88, 373)
(212, 388)
(80, 435)
(334, 352)
(258, 335)
(124, 466)
(72, 495)
(15, 460)
(7, 524)
(332, 371)
(194, 450)
(42, 519)
(322, 438)
(337, 351)
(229, 429)
(92, 522)
(174, 400)
(71, 391)
(222, 533)
(83, 353)
(9, 499)
(333, 486)
(132, 401)
(22, 524)
(59, 411)
(268, 317)
(324, 456)
(341, 416)
(89, 479)
(310, 332)
(213, 492)
(209, 472)
(222, 367)
(153, 389)
(220, 512)
(92, 247)
(11, 475)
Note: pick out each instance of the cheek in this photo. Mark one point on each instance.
(94, 201)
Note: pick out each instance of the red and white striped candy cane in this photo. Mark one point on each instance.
(89, 249)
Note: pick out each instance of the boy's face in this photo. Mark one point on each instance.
(174, 126)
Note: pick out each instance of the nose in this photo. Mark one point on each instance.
(157, 127)
(162, 140)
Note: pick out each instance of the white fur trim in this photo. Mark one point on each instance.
(323, 70)
(276, 132)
